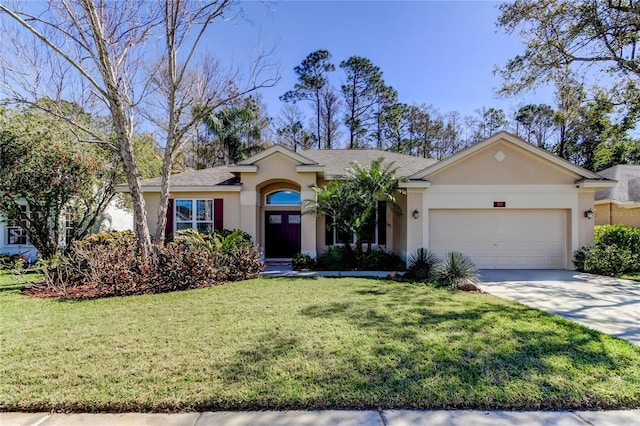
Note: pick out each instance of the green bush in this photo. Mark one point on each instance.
(606, 259)
(302, 261)
(380, 260)
(107, 265)
(619, 235)
(12, 261)
(225, 240)
(339, 258)
(454, 269)
(336, 258)
(615, 250)
(422, 265)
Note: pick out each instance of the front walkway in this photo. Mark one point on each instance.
(287, 271)
(606, 304)
(332, 418)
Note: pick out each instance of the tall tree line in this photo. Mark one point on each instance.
(362, 111)
(588, 125)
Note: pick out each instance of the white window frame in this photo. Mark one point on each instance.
(353, 237)
(194, 220)
(10, 224)
(266, 197)
(68, 226)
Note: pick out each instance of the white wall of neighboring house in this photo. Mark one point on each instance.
(113, 218)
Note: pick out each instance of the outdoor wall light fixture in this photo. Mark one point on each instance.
(416, 214)
(588, 214)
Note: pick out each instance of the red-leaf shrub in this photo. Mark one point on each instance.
(107, 265)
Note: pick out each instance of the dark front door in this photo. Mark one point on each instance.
(282, 233)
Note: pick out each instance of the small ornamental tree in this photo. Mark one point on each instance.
(65, 184)
(352, 203)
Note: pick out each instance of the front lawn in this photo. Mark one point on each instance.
(304, 343)
(635, 276)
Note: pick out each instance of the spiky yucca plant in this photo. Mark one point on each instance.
(455, 268)
(422, 265)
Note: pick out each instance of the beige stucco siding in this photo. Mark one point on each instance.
(416, 228)
(274, 172)
(585, 225)
(613, 214)
(399, 231)
(277, 168)
(502, 163)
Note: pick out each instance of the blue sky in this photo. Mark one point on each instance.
(434, 52)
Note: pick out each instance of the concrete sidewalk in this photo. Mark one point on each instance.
(333, 417)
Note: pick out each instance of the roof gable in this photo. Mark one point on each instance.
(516, 145)
(276, 149)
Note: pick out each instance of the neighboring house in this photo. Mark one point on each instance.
(503, 202)
(621, 203)
(13, 239)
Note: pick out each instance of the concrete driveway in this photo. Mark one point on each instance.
(606, 304)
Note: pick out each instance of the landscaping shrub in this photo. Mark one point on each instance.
(302, 261)
(336, 258)
(181, 267)
(624, 236)
(106, 264)
(12, 261)
(616, 250)
(606, 259)
(454, 269)
(422, 265)
(380, 260)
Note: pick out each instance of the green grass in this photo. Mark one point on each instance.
(304, 343)
(635, 276)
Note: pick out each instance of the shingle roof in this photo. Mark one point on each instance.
(627, 190)
(337, 161)
(213, 176)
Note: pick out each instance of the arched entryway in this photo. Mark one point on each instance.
(282, 223)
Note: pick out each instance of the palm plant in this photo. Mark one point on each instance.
(237, 129)
(370, 185)
(352, 203)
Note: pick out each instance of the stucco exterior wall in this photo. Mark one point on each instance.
(277, 171)
(399, 230)
(514, 166)
(612, 214)
(416, 228)
(585, 225)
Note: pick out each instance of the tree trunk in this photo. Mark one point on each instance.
(123, 124)
(161, 224)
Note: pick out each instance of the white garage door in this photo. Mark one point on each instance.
(502, 239)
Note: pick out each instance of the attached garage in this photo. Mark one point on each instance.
(502, 239)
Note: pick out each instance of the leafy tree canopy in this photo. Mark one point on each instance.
(563, 36)
(43, 164)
